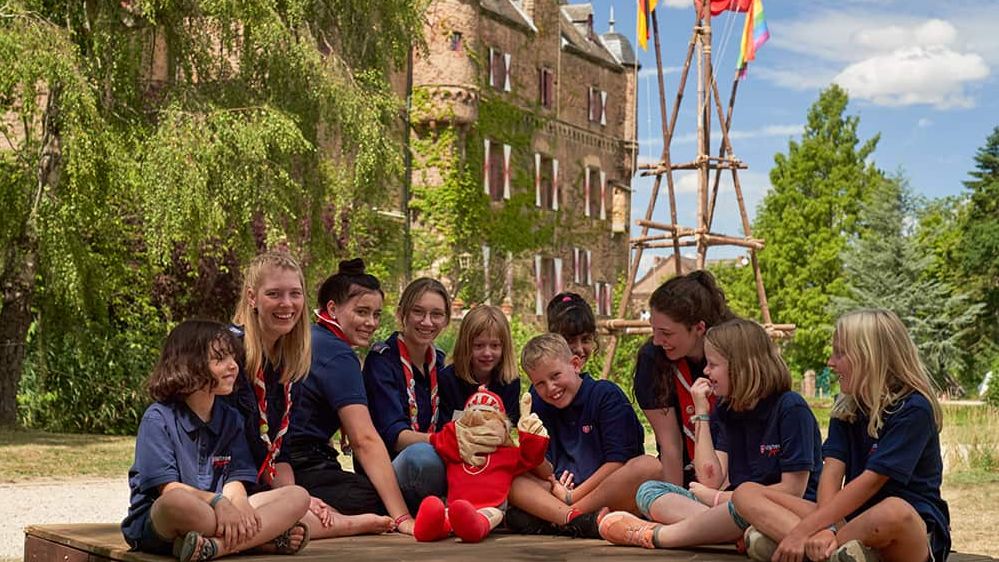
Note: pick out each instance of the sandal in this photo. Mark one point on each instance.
(282, 542)
(186, 549)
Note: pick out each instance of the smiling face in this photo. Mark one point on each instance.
(424, 321)
(359, 316)
(224, 370)
(840, 364)
(487, 352)
(582, 346)
(677, 339)
(716, 369)
(278, 300)
(556, 379)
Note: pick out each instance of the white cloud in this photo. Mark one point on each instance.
(646, 73)
(677, 4)
(889, 58)
(935, 76)
(741, 134)
(924, 122)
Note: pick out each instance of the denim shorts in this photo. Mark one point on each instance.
(150, 541)
(652, 490)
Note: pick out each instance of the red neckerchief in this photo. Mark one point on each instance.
(407, 371)
(267, 470)
(326, 321)
(682, 382)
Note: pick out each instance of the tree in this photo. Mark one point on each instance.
(978, 254)
(887, 267)
(806, 219)
(140, 135)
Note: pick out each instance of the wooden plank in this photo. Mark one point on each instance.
(93, 543)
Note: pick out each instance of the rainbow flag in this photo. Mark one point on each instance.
(754, 35)
(645, 8)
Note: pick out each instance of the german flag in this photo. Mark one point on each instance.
(645, 8)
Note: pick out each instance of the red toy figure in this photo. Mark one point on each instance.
(478, 484)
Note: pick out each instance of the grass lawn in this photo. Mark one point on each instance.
(33, 455)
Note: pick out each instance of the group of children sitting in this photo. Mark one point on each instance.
(740, 456)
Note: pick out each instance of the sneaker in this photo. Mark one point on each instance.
(585, 526)
(621, 527)
(759, 547)
(855, 551)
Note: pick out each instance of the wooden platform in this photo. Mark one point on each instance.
(94, 543)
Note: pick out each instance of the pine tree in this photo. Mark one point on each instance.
(818, 188)
(887, 267)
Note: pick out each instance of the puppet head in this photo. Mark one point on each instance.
(486, 408)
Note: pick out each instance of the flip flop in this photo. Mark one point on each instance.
(282, 542)
(186, 549)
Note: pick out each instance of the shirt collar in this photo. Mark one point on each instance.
(191, 423)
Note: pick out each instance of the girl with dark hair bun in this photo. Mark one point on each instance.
(683, 309)
(570, 316)
(333, 398)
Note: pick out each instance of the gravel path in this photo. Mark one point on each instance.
(77, 501)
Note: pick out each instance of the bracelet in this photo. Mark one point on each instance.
(699, 417)
(402, 519)
(216, 499)
(717, 495)
(568, 496)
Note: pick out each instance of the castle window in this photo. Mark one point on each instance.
(546, 88)
(499, 69)
(496, 170)
(604, 297)
(546, 182)
(582, 266)
(454, 41)
(597, 103)
(547, 281)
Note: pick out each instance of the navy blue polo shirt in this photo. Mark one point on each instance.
(244, 399)
(907, 451)
(455, 392)
(387, 397)
(598, 427)
(779, 435)
(175, 445)
(334, 381)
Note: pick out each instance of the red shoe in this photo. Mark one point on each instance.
(468, 523)
(431, 521)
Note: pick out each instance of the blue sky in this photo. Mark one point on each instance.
(924, 74)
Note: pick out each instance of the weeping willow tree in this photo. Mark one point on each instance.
(146, 140)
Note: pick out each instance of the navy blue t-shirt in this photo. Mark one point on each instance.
(907, 451)
(244, 399)
(387, 398)
(779, 435)
(455, 392)
(334, 381)
(175, 445)
(598, 427)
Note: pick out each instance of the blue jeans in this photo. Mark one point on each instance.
(420, 473)
(654, 489)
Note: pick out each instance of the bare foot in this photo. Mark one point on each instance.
(350, 525)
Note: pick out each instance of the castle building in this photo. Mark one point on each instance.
(539, 110)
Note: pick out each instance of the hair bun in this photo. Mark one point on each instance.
(351, 267)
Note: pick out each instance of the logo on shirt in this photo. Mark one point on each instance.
(770, 450)
(874, 448)
(220, 461)
(587, 428)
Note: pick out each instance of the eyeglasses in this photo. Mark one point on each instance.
(436, 316)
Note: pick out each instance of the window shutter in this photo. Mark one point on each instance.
(537, 179)
(485, 167)
(506, 68)
(506, 171)
(490, 67)
(550, 87)
(586, 191)
(589, 267)
(603, 107)
(575, 265)
(539, 298)
(609, 298)
(558, 275)
(554, 184)
(603, 195)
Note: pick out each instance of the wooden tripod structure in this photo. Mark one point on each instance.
(674, 235)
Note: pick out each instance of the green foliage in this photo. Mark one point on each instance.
(887, 268)
(818, 188)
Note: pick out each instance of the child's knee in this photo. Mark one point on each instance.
(645, 467)
(895, 514)
(296, 497)
(746, 494)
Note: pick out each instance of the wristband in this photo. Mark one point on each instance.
(717, 495)
(568, 496)
(699, 417)
(216, 499)
(402, 519)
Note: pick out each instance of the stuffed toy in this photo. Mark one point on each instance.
(479, 481)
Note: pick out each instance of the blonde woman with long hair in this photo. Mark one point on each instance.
(879, 496)
(761, 431)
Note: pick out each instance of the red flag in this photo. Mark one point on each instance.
(719, 6)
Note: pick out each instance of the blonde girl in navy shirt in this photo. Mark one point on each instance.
(192, 461)
(760, 432)
(882, 469)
